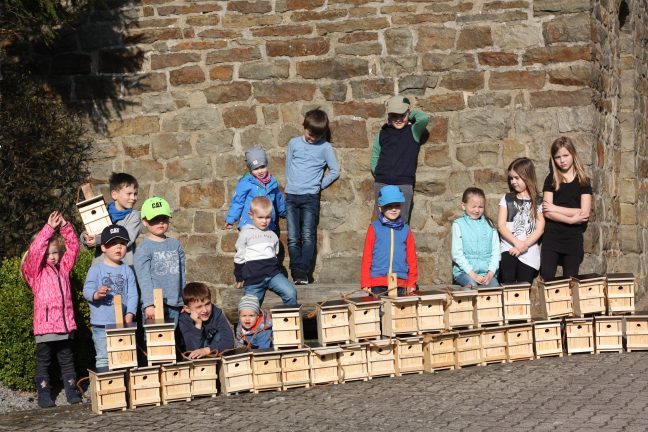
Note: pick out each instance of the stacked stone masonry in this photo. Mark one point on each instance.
(499, 78)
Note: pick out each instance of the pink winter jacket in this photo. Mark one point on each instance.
(53, 312)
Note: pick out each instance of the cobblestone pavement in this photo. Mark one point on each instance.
(578, 393)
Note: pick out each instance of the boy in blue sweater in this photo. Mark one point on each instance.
(258, 182)
(394, 155)
(159, 261)
(307, 158)
(123, 191)
(202, 326)
(107, 278)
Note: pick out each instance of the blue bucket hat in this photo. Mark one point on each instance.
(390, 194)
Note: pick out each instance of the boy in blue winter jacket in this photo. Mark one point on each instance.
(258, 182)
(107, 278)
(307, 158)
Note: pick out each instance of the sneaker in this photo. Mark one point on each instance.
(300, 277)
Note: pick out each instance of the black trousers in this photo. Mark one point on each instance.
(549, 261)
(63, 351)
(513, 270)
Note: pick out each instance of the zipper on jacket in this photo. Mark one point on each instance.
(46, 313)
(58, 275)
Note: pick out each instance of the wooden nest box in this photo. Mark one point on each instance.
(160, 334)
(333, 322)
(235, 372)
(488, 307)
(517, 302)
(287, 329)
(462, 309)
(93, 211)
(399, 316)
(588, 294)
(620, 293)
(555, 299)
(144, 387)
(107, 391)
(120, 340)
(431, 310)
(364, 318)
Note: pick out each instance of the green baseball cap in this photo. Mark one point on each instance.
(154, 207)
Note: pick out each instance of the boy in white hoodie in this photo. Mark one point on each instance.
(256, 267)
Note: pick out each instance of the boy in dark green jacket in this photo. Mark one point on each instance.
(395, 150)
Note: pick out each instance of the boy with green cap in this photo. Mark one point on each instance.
(159, 261)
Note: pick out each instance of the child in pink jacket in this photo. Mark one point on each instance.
(46, 267)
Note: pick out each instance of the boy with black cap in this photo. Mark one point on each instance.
(159, 261)
(258, 182)
(394, 155)
(389, 247)
(107, 278)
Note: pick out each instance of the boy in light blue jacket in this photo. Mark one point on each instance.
(258, 182)
(105, 279)
(307, 158)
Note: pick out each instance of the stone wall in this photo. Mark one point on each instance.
(619, 65)
(499, 78)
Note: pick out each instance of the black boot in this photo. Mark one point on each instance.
(71, 391)
(43, 392)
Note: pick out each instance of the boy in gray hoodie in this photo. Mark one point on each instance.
(159, 261)
(256, 267)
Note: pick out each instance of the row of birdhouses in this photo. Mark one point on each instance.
(153, 385)
(272, 370)
(590, 294)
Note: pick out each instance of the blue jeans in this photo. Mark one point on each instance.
(101, 348)
(464, 280)
(278, 284)
(302, 213)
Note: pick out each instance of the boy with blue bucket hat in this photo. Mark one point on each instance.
(389, 247)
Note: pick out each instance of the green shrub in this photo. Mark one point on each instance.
(17, 361)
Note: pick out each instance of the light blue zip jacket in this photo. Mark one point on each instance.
(475, 246)
(305, 165)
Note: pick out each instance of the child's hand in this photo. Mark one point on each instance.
(54, 219)
(149, 312)
(63, 221)
(548, 207)
(487, 278)
(579, 218)
(229, 226)
(239, 285)
(196, 319)
(475, 277)
(101, 293)
(520, 246)
(89, 239)
(128, 318)
(368, 289)
(200, 352)
(514, 252)
(410, 290)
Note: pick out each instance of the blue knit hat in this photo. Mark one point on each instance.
(249, 302)
(390, 194)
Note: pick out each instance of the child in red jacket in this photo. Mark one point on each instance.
(389, 247)
(46, 268)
